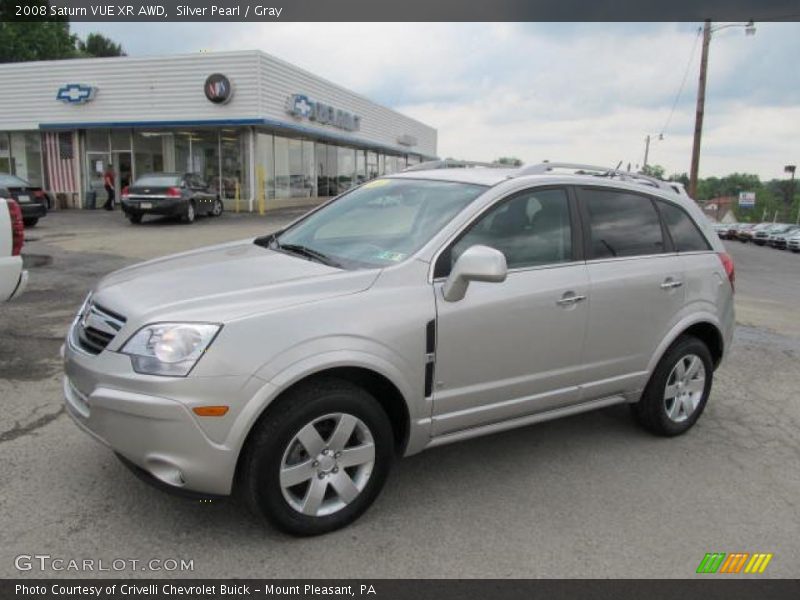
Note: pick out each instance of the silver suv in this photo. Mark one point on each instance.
(415, 310)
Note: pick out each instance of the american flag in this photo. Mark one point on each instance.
(60, 156)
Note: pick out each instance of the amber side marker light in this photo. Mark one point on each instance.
(210, 411)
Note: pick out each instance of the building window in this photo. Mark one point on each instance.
(5, 153)
(149, 151)
(346, 168)
(205, 158)
(235, 152)
(265, 168)
(361, 167)
(281, 167)
(372, 165)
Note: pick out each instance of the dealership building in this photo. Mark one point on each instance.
(263, 132)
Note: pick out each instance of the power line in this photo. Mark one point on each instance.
(683, 81)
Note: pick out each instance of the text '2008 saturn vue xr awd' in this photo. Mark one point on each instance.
(415, 310)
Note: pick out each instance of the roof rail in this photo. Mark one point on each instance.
(450, 163)
(578, 169)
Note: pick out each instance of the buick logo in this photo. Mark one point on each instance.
(218, 89)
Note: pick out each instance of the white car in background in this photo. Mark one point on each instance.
(13, 278)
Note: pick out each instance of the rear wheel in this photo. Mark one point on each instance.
(30, 221)
(135, 218)
(190, 215)
(678, 390)
(318, 459)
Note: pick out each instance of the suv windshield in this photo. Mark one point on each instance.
(380, 223)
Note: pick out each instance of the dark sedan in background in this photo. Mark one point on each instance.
(182, 195)
(31, 198)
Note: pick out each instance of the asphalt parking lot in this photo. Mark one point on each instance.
(588, 496)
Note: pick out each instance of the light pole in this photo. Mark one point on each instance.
(647, 149)
(708, 29)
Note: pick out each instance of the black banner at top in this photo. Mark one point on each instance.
(400, 10)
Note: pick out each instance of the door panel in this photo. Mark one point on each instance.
(509, 349)
(514, 348)
(629, 314)
(637, 288)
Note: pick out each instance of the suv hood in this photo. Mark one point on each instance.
(222, 283)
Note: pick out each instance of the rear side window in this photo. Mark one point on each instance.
(684, 233)
(621, 224)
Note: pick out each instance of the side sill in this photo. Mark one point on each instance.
(549, 415)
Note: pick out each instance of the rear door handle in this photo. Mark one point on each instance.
(670, 283)
(570, 298)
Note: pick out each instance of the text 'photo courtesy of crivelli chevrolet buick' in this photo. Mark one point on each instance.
(415, 310)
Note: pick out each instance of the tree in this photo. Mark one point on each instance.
(656, 171)
(36, 40)
(509, 160)
(99, 45)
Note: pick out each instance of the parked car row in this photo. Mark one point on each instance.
(776, 235)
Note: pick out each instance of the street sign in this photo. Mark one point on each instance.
(747, 199)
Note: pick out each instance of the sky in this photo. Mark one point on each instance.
(570, 92)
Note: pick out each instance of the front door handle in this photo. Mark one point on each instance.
(570, 298)
(670, 283)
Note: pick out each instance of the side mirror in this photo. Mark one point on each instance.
(477, 263)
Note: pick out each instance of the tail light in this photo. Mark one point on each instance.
(174, 192)
(126, 191)
(38, 194)
(17, 227)
(727, 264)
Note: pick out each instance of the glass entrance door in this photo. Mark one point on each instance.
(123, 172)
(96, 165)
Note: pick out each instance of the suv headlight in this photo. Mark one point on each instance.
(170, 349)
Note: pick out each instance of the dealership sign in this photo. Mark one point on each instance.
(218, 89)
(303, 107)
(747, 199)
(76, 93)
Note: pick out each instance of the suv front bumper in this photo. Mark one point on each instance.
(157, 432)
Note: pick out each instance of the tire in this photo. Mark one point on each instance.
(217, 208)
(274, 445)
(190, 214)
(795, 250)
(135, 218)
(658, 414)
(30, 221)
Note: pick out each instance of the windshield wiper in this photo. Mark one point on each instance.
(307, 252)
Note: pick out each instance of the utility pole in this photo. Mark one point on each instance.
(646, 151)
(701, 102)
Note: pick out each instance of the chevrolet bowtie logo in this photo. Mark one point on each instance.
(76, 93)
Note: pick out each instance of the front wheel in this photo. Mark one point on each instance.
(678, 390)
(318, 459)
(217, 208)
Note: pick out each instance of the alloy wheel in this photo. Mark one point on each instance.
(327, 464)
(685, 387)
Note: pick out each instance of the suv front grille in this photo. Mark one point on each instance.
(96, 327)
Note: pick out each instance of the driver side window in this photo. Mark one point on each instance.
(531, 228)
